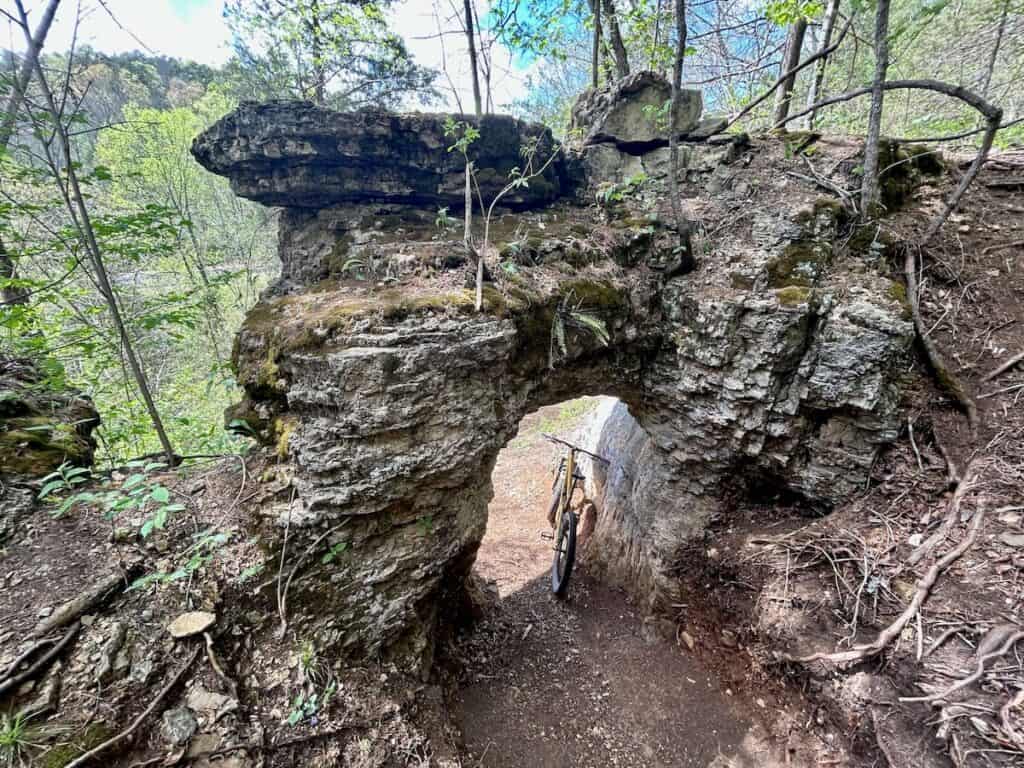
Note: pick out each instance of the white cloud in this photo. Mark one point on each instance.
(187, 30)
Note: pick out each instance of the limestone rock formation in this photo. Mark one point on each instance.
(298, 155)
(631, 112)
(40, 429)
(387, 398)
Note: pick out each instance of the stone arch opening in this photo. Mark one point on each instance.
(387, 397)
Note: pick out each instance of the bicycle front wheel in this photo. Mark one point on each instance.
(565, 553)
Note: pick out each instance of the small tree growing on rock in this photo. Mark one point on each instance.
(465, 134)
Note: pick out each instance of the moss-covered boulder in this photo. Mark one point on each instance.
(41, 428)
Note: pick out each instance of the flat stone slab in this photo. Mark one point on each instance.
(296, 154)
(192, 623)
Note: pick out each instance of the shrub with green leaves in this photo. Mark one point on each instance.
(137, 494)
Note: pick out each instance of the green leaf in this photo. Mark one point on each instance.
(50, 487)
(147, 528)
(132, 481)
(160, 518)
(160, 495)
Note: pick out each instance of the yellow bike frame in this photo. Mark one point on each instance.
(570, 486)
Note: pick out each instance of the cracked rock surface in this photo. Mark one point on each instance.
(779, 362)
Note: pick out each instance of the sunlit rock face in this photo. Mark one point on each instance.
(387, 396)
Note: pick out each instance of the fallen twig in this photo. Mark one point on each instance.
(1006, 365)
(86, 757)
(212, 656)
(893, 631)
(913, 444)
(1001, 246)
(1004, 390)
(825, 184)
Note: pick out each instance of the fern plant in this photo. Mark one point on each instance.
(571, 313)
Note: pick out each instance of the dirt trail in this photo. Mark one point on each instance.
(580, 682)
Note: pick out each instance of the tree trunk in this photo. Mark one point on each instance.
(987, 81)
(794, 45)
(869, 185)
(80, 215)
(687, 263)
(319, 76)
(615, 36)
(471, 38)
(657, 31)
(828, 24)
(595, 56)
(10, 294)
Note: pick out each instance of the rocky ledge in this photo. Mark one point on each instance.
(777, 364)
(298, 155)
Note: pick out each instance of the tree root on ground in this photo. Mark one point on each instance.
(14, 680)
(1011, 634)
(952, 515)
(91, 598)
(1014, 735)
(890, 633)
(947, 380)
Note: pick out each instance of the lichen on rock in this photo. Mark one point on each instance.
(388, 398)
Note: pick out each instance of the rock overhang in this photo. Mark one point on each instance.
(299, 155)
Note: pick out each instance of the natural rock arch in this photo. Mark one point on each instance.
(388, 400)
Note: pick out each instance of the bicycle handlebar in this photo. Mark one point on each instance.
(552, 439)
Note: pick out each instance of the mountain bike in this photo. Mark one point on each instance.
(561, 514)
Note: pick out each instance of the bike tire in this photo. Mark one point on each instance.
(565, 554)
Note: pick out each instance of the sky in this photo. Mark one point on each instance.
(195, 29)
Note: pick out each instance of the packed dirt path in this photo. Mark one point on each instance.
(584, 681)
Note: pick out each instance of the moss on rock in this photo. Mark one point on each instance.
(594, 294)
(793, 295)
(800, 263)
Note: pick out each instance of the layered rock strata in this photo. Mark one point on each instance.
(388, 397)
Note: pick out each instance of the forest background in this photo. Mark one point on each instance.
(149, 306)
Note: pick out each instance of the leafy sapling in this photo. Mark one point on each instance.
(518, 178)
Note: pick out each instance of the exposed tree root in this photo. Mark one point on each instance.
(952, 515)
(946, 378)
(92, 597)
(893, 631)
(92, 753)
(15, 680)
(1005, 712)
(979, 670)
